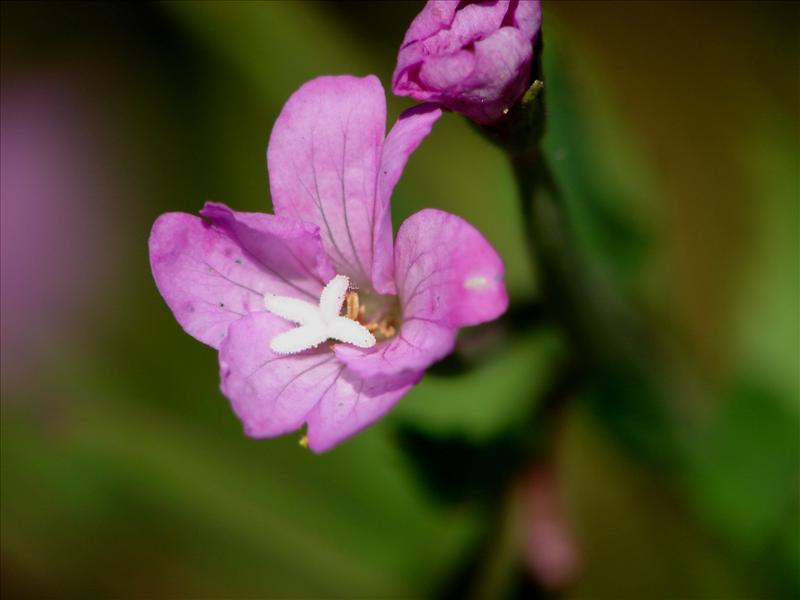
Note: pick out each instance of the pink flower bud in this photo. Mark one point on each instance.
(471, 57)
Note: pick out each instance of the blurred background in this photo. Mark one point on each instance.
(673, 129)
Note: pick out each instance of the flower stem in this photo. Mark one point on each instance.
(632, 380)
(593, 318)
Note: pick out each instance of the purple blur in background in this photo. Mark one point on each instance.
(56, 233)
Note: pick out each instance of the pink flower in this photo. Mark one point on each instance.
(267, 290)
(471, 57)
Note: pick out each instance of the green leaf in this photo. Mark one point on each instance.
(745, 476)
(480, 402)
(605, 204)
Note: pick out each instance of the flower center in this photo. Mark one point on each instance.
(318, 323)
(379, 314)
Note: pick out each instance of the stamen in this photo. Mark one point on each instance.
(357, 312)
(353, 308)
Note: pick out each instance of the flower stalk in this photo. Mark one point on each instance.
(567, 293)
(615, 349)
(591, 314)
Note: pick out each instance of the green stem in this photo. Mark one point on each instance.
(590, 315)
(634, 381)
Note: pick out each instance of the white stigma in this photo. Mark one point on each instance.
(317, 323)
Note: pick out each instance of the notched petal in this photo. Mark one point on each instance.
(353, 403)
(412, 127)
(212, 272)
(323, 160)
(274, 394)
(417, 345)
(447, 272)
(271, 393)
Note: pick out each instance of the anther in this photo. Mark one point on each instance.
(354, 311)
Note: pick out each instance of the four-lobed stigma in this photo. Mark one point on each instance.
(322, 322)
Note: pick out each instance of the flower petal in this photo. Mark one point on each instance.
(501, 66)
(471, 57)
(481, 82)
(212, 272)
(440, 30)
(446, 73)
(447, 276)
(471, 23)
(323, 159)
(435, 16)
(447, 272)
(527, 17)
(353, 403)
(419, 343)
(272, 393)
(411, 128)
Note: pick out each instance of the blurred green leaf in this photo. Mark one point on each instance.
(477, 345)
(747, 465)
(608, 226)
(605, 226)
(630, 404)
(125, 465)
(637, 536)
(767, 316)
(454, 468)
(483, 401)
(745, 474)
